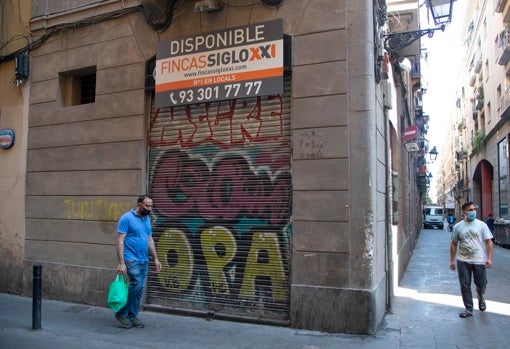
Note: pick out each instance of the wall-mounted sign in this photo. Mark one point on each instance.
(412, 146)
(410, 133)
(227, 64)
(6, 138)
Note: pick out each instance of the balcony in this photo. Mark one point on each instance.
(47, 15)
(503, 47)
(501, 7)
(418, 102)
(478, 100)
(415, 69)
(478, 62)
(505, 100)
(472, 78)
(478, 103)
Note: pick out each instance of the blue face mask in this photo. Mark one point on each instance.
(471, 215)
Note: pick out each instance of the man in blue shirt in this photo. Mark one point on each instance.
(134, 241)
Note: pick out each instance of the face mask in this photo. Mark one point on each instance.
(471, 215)
(145, 212)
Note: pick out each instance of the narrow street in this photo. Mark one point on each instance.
(428, 302)
(425, 315)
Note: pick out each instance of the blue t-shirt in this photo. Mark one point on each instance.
(137, 230)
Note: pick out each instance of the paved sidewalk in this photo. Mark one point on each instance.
(425, 315)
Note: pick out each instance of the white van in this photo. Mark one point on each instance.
(433, 216)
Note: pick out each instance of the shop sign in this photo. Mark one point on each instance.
(234, 63)
(412, 147)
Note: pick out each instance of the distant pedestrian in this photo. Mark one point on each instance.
(490, 223)
(471, 245)
(451, 221)
(134, 241)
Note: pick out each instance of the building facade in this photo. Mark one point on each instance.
(478, 160)
(298, 208)
(13, 117)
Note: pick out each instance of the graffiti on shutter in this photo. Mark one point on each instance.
(219, 174)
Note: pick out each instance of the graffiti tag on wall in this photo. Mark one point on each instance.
(311, 144)
(218, 124)
(95, 209)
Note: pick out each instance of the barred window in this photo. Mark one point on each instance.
(78, 86)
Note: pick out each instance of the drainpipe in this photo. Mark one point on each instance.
(389, 218)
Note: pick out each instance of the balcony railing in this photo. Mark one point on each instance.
(472, 78)
(505, 100)
(478, 62)
(503, 44)
(415, 69)
(478, 103)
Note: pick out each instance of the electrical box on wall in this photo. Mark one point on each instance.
(21, 67)
(386, 90)
(150, 82)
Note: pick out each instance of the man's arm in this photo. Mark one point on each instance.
(490, 253)
(152, 249)
(453, 252)
(121, 267)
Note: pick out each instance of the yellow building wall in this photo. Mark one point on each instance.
(14, 31)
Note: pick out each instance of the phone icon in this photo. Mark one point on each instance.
(172, 98)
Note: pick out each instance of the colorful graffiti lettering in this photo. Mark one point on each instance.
(206, 123)
(95, 209)
(221, 253)
(184, 186)
(246, 260)
(221, 185)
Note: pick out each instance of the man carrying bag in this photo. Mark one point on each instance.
(134, 241)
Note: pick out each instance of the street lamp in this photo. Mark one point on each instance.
(441, 11)
(433, 154)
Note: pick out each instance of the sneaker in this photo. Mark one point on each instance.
(137, 323)
(481, 304)
(124, 321)
(466, 313)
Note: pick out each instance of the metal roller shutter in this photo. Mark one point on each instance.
(219, 174)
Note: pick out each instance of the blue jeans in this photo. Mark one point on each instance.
(137, 273)
(465, 270)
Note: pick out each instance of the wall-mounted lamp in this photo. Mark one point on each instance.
(207, 6)
(433, 154)
(441, 11)
(405, 65)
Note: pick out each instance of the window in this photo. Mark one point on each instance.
(78, 86)
(433, 211)
(503, 177)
